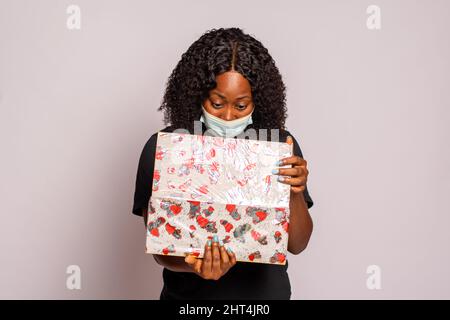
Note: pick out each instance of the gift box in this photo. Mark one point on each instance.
(206, 185)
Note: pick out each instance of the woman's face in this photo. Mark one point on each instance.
(232, 97)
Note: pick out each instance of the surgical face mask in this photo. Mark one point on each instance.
(225, 128)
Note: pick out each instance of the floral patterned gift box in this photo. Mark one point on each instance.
(205, 186)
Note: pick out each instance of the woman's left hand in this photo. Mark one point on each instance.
(297, 175)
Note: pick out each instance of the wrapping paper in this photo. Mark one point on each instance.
(205, 186)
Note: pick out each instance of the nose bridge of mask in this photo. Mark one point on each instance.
(225, 128)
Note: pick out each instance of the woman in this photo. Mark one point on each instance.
(229, 82)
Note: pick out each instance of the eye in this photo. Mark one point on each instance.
(216, 105)
(241, 106)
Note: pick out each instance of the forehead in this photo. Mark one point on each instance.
(232, 84)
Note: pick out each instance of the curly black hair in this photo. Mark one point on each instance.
(215, 52)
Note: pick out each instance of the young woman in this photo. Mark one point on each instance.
(228, 81)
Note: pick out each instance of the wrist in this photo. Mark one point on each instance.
(298, 195)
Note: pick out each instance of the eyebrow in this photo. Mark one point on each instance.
(223, 97)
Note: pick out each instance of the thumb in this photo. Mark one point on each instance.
(289, 140)
(194, 262)
(190, 259)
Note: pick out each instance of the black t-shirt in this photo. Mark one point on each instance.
(245, 280)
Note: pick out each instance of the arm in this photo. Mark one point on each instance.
(300, 224)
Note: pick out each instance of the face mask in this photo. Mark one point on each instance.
(225, 128)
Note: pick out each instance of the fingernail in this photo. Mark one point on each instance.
(275, 171)
(209, 243)
(221, 243)
(279, 163)
(216, 238)
(229, 250)
(280, 178)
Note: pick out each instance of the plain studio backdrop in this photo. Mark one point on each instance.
(369, 107)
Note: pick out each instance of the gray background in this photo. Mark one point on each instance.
(370, 109)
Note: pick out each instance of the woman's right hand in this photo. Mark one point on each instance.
(215, 263)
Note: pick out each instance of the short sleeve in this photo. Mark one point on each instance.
(298, 152)
(144, 176)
